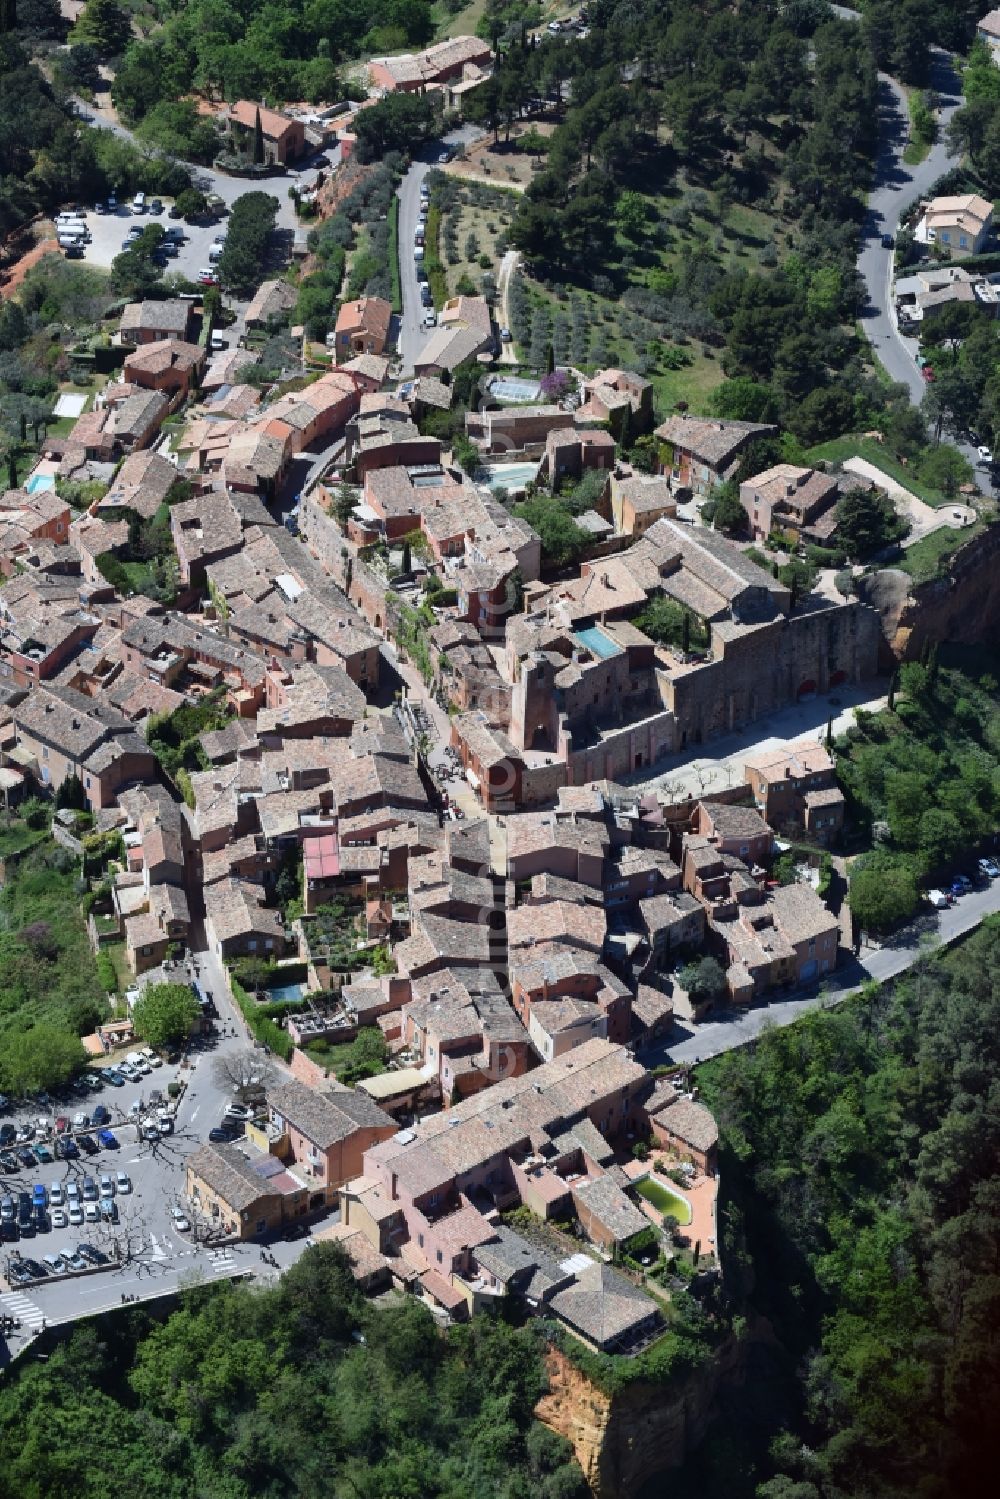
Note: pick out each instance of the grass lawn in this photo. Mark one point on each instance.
(840, 448)
(927, 558)
(665, 1201)
(592, 331)
(463, 24)
(15, 837)
(116, 952)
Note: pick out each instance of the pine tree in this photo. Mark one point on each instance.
(12, 470)
(829, 733)
(891, 700)
(258, 141)
(407, 560)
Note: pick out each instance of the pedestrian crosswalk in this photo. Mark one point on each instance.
(16, 1304)
(221, 1261)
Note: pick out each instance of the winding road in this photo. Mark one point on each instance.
(895, 187)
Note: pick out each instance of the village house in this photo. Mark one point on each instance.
(800, 503)
(571, 451)
(733, 829)
(698, 453)
(417, 72)
(988, 32)
(238, 924)
(639, 501)
(62, 733)
(284, 138)
(140, 487)
(619, 398)
(168, 365)
(362, 328)
(959, 225)
(151, 322)
(683, 1127)
(270, 305)
(239, 1196)
(795, 786)
(324, 1134)
(606, 1311)
(26, 519)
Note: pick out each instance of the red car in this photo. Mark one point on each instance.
(206, 278)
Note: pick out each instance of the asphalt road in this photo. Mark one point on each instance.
(412, 335)
(895, 187)
(697, 1044)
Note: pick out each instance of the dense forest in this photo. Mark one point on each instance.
(860, 1161)
(304, 1389)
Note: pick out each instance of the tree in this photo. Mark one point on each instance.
(562, 539)
(704, 980)
(71, 794)
(106, 25)
(239, 1070)
(728, 514)
(406, 562)
(43, 1056)
(630, 214)
(165, 1013)
(867, 522)
(345, 502)
(242, 262)
(882, 893)
(258, 140)
(190, 203)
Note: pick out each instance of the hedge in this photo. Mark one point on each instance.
(262, 1020)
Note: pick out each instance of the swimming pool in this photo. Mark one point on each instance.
(511, 476)
(599, 644)
(507, 388)
(282, 992)
(40, 481)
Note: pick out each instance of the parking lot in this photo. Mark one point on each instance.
(145, 1252)
(110, 230)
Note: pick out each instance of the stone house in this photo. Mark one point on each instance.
(325, 1134)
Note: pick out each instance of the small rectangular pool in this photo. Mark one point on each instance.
(665, 1201)
(40, 481)
(512, 476)
(600, 645)
(282, 992)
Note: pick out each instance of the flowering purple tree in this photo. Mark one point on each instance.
(556, 385)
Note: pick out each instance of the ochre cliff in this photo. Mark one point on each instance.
(962, 606)
(622, 1440)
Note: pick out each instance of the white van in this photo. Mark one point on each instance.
(74, 226)
(139, 203)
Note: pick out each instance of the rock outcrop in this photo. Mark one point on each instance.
(622, 1440)
(962, 606)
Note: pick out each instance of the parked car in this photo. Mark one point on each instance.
(90, 1192)
(8, 1134)
(59, 1218)
(939, 899)
(106, 1186)
(108, 1140)
(88, 1144)
(9, 1162)
(91, 1212)
(124, 1183)
(221, 1136)
(984, 453)
(156, 206)
(100, 1115)
(39, 1194)
(990, 868)
(68, 1148)
(26, 1157)
(207, 277)
(180, 1220)
(887, 241)
(108, 1208)
(95, 1256)
(43, 1155)
(75, 1214)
